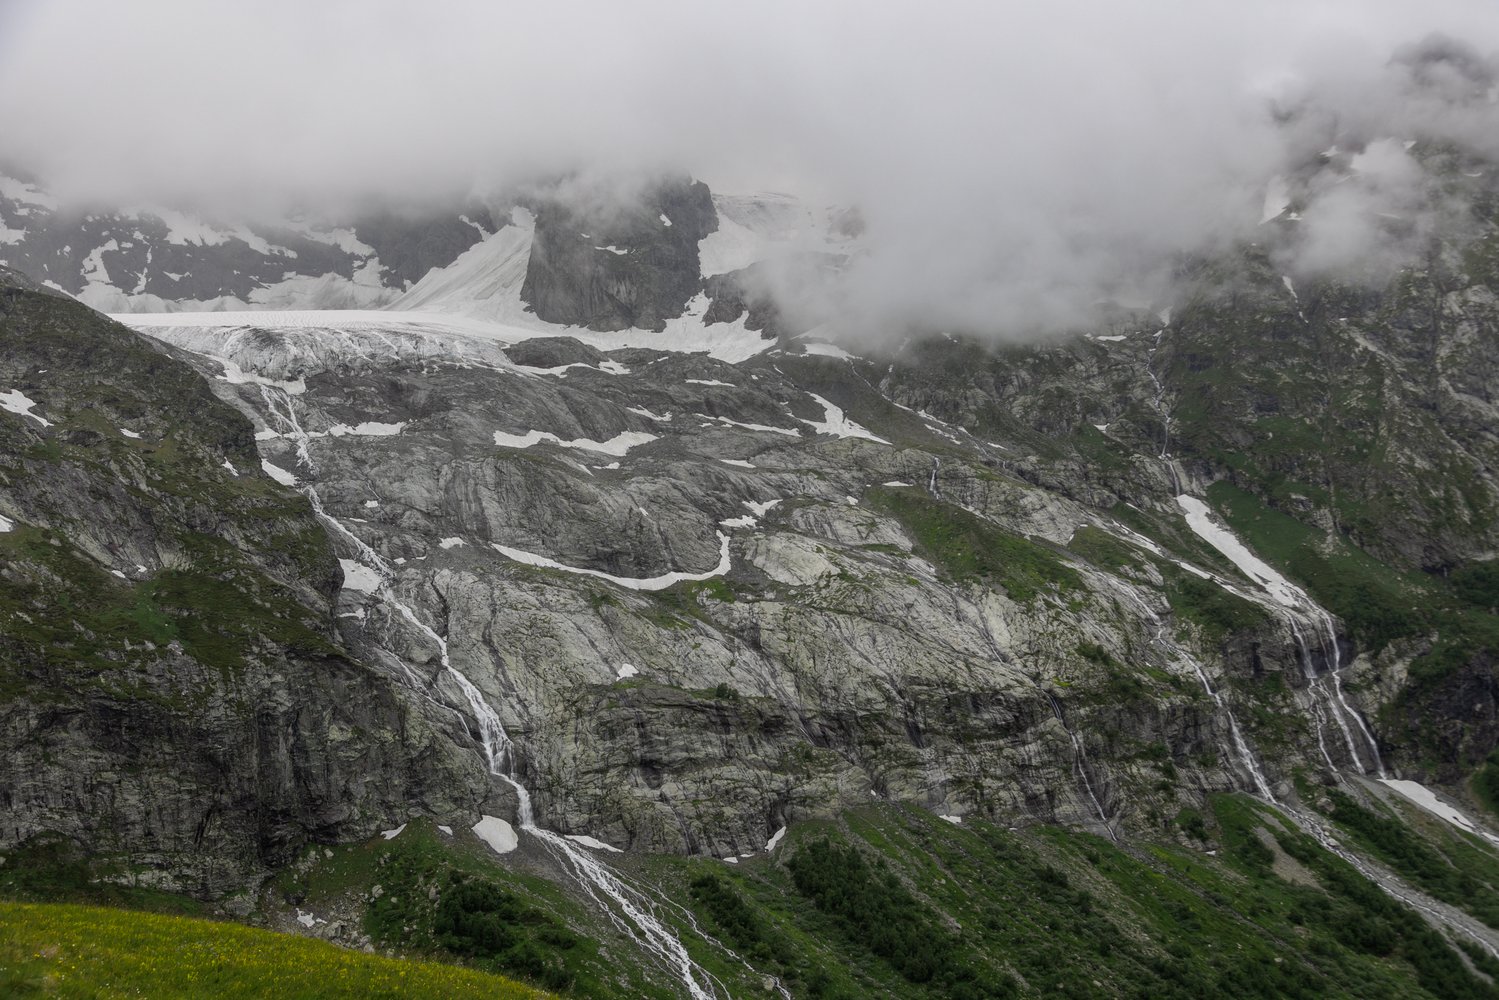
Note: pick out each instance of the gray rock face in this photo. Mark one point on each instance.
(172, 690)
(616, 261)
(705, 602)
(707, 599)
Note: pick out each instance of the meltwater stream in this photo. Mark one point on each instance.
(631, 911)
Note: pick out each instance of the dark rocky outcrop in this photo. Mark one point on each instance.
(613, 260)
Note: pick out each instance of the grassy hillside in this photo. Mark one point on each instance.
(53, 950)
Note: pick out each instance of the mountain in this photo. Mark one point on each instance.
(583, 589)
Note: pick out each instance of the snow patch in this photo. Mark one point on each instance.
(16, 401)
(821, 349)
(632, 583)
(775, 839)
(739, 462)
(497, 833)
(835, 423)
(6, 524)
(229, 468)
(617, 445)
(1427, 799)
(763, 428)
(445, 829)
(626, 670)
(710, 381)
(360, 577)
(130, 433)
(954, 820)
(279, 474)
(1200, 520)
(664, 220)
(393, 834)
(596, 844)
(235, 375)
(370, 428)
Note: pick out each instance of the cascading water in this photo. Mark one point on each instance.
(1317, 687)
(1335, 672)
(1240, 746)
(631, 911)
(1080, 766)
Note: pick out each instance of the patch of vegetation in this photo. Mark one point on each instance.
(50, 868)
(968, 547)
(1446, 874)
(1378, 603)
(1218, 612)
(60, 608)
(740, 924)
(872, 908)
(53, 950)
(476, 919)
(1104, 550)
(444, 899)
(1051, 912)
(1486, 783)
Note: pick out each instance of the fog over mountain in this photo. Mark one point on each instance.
(1014, 165)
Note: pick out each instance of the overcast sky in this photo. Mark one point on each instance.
(1046, 141)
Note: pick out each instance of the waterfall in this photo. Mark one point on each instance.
(1240, 746)
(601, 884)
(1292, 604)
(1080, 766)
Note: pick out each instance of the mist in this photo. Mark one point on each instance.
(1018, 166)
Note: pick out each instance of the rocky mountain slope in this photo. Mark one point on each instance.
(175, 692)
(655, 581)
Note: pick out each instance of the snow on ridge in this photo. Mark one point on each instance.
(235, 375)
(619, 444)
(479, 321)
(821, 349)
(27, 194)
(836, 423)
(15, 401)
(631, 583)
(370, 428)
(763, 428)
(1200, 520)
(358, 576)
(1427, 799)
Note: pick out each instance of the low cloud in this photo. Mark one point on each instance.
(1017, 166)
